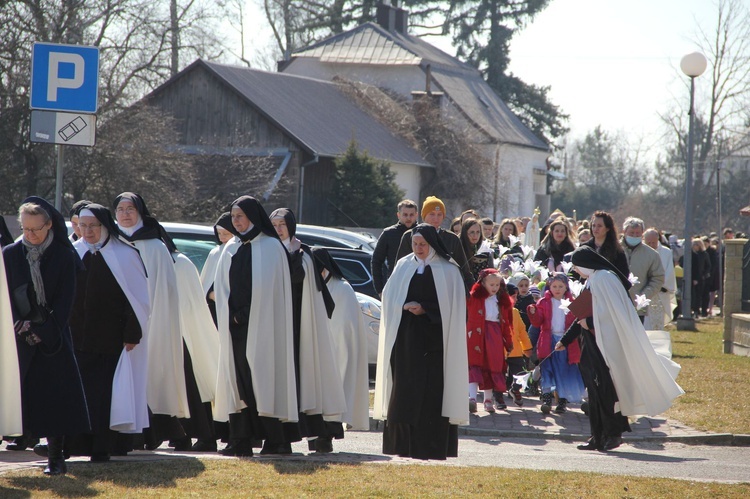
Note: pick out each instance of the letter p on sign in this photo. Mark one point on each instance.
(55, 81)
(64, 78)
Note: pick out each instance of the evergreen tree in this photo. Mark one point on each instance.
(365, 193)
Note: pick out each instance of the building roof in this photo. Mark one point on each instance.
(463, 84)
(314, 113)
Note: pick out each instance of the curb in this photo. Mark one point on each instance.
(715, 439)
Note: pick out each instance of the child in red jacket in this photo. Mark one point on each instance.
(488, 336)
(559, 372)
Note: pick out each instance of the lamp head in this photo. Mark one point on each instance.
(693, 64)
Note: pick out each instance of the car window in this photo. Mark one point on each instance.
(197, 251)
(353, 270)
(311, 240)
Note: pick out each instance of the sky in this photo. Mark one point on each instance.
(613, 63)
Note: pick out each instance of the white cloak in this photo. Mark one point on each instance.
(452, 298)
(663, 304)
(350, 340)
(129, 409)
(644, 381)
(166, 390)
(208, 273)
(11, 420)
(321, 390)
(270, 340)
(197, 327)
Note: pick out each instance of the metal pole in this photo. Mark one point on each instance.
(719, 292)
(686, 322)
(59, 177)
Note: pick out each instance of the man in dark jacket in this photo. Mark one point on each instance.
(433, 213)
(384, 256)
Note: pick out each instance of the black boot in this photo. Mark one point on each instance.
(22, 443)
(546, 403)
(562, 406)
(55, 460)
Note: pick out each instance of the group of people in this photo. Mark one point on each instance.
(120, 344)
(519, 278)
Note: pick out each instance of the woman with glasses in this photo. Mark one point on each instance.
(41, 274)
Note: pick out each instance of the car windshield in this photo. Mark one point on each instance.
(197, 251)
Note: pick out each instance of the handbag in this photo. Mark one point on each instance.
(24, 298)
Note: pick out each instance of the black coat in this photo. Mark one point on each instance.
(384, 257)
(51, 390)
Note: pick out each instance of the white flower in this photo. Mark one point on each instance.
(522, 379)
(516, 267)
(502, 249)
(530, 267)
(543, 273)
(513, 240)
(564, 304)
(641, 302)
(566, 266)
(633, 279)
(575, 288)
(528, 252)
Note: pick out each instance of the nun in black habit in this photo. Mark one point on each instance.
(104, 323)
(607, 426)
(422, 370)
(223, 232)
(41, 272)
(255, 387)
(321, 404)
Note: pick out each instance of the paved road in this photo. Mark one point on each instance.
(666, 460)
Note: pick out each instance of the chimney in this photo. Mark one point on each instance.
(392, 17)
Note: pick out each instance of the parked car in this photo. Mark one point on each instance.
(196, 241)
(332, 237)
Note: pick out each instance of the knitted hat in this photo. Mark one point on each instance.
(518, 277)
(431, 204)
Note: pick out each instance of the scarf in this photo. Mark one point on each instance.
(424, 263)
(129, 231)
(97, 246)
(34, 256)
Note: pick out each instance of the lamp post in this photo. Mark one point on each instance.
(692, 65)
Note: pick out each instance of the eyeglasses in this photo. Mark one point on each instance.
(32, 231)
(129, 210)
(89, 226)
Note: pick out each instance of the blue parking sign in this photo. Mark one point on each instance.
(65, 77)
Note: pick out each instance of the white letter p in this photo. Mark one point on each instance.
(55, 82)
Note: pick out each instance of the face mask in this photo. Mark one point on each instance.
(633, 241)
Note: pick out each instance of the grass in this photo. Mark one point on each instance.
(715, 383)
(213, 478)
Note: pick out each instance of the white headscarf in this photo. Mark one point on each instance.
(426, 262)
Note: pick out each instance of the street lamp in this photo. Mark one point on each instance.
(692, 65)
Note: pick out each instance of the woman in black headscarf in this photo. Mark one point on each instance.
(73, 216)
(256, 388)
(110, 316)
(422, 370)
(319, 387)
(623, 374)
(41, 272)
(223, 232)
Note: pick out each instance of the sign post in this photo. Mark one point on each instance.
(64, 78)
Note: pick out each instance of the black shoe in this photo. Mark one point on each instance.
(275, 448)
(240, 448)
(323, 445)
(41, 450)
(182, 445)
(202, 445)
(561, 406)
(585, 408)
(56, 467)
(546, 407)
(22, 443)
(611, 443)
(592, 444)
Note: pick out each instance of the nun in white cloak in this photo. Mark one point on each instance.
(10, 381)
(350, 342)
(616, 348)
(422, 371)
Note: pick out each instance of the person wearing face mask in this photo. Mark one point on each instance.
(40, 271)
(319, 388)
(624, 376)
(644, 262)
